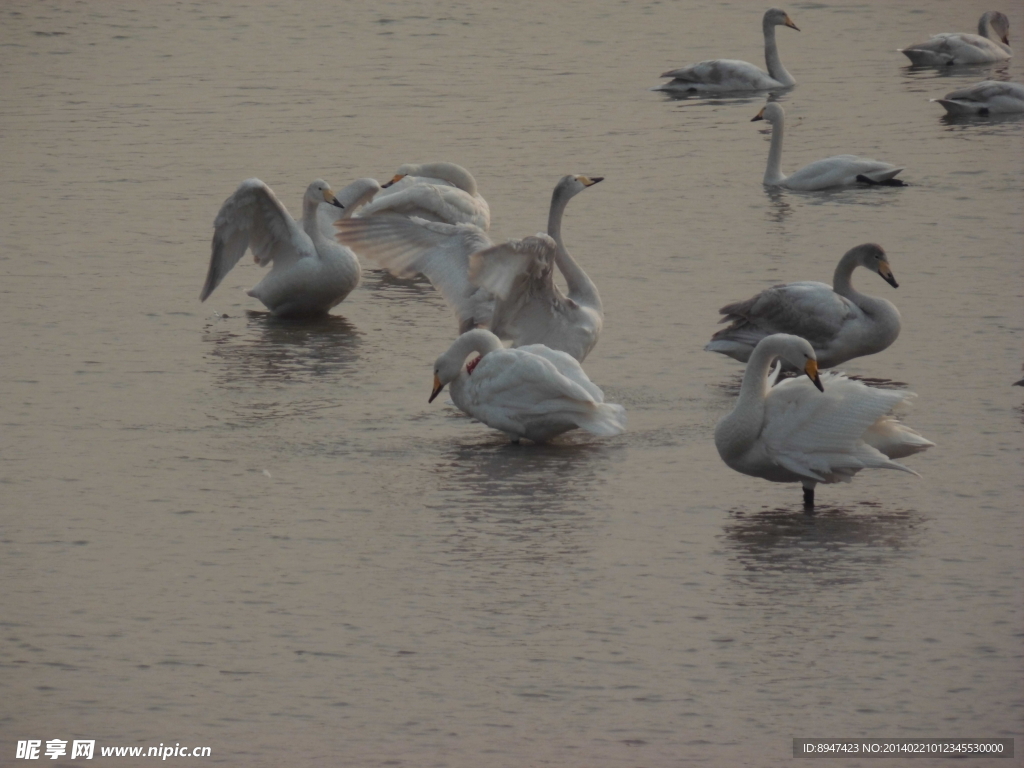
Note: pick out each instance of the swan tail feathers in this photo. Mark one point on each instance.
(605, 420)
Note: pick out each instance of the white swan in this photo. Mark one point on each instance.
(509, 287)
(791, 432)
(989, 97)
(532, 392)
(838, 321)
(722, 75)
(311, 273)
(992, 43)
(837, 171)
(443, 192)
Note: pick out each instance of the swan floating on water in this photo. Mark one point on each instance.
(723, 75)
(443, 192)
(508, 287)
(989, 97)
(839, 322)
(532, 392)
(992, 43)
(310, 272)
(837, 171)
(792, 432)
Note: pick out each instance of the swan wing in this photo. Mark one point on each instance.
(568, 366)
(821, 435)
(515, 265)
(253, 218)
(838, 171)
(523, 381)
(807, 309)
(433, 202)
(410, 246)
(989, 95)
(956, 48)
(719, 75)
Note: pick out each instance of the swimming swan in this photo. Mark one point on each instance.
(722, 75)
(837, 171)
(443, 192)
(992, 43)
(532, 392)
(310, 272)
(838, 321)
(509, 288)
(989, 97)
(792, 432)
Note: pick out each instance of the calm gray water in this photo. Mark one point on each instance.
(224, 530)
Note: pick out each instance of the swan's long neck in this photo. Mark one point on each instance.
(985, 28)
(736, 431)
(581, 289)
(309, 223)
(771, 56)
(884, 314)
(456, 174)
(478, 340)
(773, 174)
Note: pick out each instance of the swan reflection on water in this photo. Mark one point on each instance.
(272, 349)
(835, 545)
(520, 502)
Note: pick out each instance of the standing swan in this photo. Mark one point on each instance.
(443, 192)
(837, 171)
(530, 308)
(838, 321)
(791, 432)
(989, 97)
(723, 75)
(311, 273)
(508, 287)
(532, 392)
(992, 43)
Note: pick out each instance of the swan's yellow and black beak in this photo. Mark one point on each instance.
(589, 181)
(811, 369)
(758, 116)
(398, 177)
(438, 386)
(789, 23)
(330, 198)
(886, 272)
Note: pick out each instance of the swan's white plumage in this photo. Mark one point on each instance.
(724, 75)
(792, 432)
(310, 271)
(992, 43)
(839, 322)
(831, 172)
(508, 287)
(410, 246)
(443, 192)
(531, 392)
(989, 97)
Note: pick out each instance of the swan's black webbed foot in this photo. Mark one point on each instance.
(808, 499)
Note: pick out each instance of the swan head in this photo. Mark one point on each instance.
(320, 192)
(772, 113)
(871, 256)
(358, 193)
(570, 186)
(777, 17)
(450, 172)
(998, 23)
(797, 352)
(449, 365)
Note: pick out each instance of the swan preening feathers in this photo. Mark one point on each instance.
(838, 321)
(832, 172)
(820, 432)
(992, 43)
(508, 288)
(310, 272)
(724, 75)
(443, 192)
(533, 391)
(989, 97)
